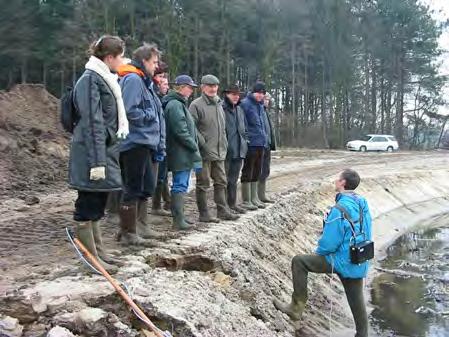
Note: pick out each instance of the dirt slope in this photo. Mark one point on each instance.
(33, 148)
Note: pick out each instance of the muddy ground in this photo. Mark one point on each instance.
(219, 264)
(214, 280)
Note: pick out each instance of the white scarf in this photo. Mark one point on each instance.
(97, 65)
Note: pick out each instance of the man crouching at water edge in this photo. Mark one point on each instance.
(333, 253)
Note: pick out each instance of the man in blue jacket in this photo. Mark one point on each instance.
(332, 254)
(144, 146)
(254, 110)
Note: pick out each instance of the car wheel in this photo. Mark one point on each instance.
(362, 148)
(390, 149)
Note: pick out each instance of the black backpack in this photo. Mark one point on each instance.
(69, 115)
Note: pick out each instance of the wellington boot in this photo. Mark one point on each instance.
(254, 197)
(105, 254)
(84, 233)
(238, 209)
(166, 196)
(223, 211)
(232, 200)
(246, 197)
(177, 207)
(128, 223)
(262, 192)
(201, 201)
(156, 206)
(144, 229)
(294, 309)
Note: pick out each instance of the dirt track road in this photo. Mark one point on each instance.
(33, 245)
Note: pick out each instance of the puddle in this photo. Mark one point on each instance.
(412, 299)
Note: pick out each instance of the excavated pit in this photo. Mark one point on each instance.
(220, 281)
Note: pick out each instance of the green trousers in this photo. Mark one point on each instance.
(302, 265)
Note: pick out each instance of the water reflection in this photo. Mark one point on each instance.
(414, 305)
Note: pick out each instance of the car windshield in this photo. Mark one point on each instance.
(366, 138)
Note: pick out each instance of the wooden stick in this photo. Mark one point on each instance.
(118, 288)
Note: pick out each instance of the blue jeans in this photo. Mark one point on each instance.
(181, 180)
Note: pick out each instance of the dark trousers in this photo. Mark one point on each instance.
(304, 264)
(138, 173)
(233, 168)
(162, 172)
(266, 164)
(90, 206)
(252, 166)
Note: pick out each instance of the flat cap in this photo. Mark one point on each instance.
(210, 80)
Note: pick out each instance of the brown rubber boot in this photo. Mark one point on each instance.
(143, 224)
(103, 253)
(223, 211)
(262, 192)
(84, 233)
(128, 224)
(201, 201)
(294, 309)
(156, 207)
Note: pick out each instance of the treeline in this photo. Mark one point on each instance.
(336, 68)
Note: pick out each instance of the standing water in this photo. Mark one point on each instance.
(411, 296)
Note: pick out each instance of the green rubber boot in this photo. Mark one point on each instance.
(177, 209)
(254, 197)
(85, 234)
(246, 197)
(294, 309)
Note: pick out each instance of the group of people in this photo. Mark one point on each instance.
(132, 130)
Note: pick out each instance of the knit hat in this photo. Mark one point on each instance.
(259, 87)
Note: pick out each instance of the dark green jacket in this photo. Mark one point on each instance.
(211, 125)
(182, 147)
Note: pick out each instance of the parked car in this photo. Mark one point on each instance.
(374, 143)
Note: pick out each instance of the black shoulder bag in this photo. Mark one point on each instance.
(364, 250)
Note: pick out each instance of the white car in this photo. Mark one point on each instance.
(374, 143)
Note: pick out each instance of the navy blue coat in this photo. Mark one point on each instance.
(255, 121)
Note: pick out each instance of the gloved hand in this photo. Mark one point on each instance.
(198, 170)
(123, 129)
(158, 157)
(98, 173)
